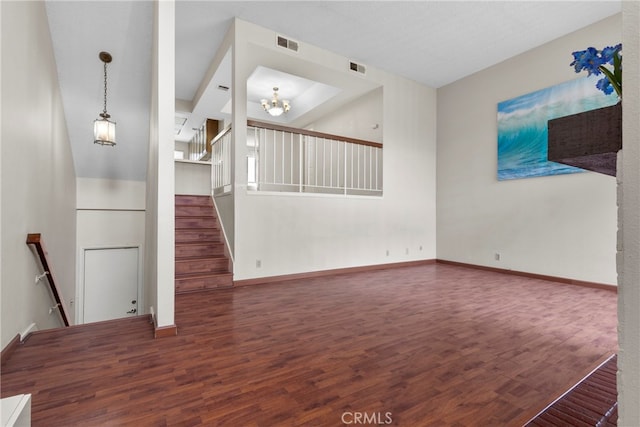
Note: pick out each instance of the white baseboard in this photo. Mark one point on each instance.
(31, 328)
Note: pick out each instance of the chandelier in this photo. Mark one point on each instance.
(104, 130)
(275, 107)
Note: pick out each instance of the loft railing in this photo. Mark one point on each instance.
(287, 159)
(36, 241)
(298, 160)
(198, 144)
(221, 162)
(201, 142)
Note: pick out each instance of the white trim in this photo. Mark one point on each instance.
(224, 234)
(195, 162)
(304, 194)
(28, 330)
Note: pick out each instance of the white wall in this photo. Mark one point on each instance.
(110, 213)
(38, 178)
(160, 204)
(629, 263)
(193, 178)
(361, 119)
(102, 194)
(562, 226)
(301, 233)
(184, 147)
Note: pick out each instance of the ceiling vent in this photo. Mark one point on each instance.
(286, 43)
(358, 68)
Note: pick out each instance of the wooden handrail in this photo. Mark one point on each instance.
(220, 134)
(270, 126)
(35, 240)
(210, 125)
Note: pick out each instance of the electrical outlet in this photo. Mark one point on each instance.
(387, 252)
(496, 256)
(258, 263)
(406, 251)
(420, 247)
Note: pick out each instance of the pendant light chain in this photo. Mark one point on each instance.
(105, 89)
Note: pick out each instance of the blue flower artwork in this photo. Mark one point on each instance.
(522, 126)
(594, 62)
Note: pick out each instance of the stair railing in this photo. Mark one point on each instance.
(221, 162)
(36, 240)
(201, 142)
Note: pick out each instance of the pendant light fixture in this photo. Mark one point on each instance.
(275, 107)
(104, 130)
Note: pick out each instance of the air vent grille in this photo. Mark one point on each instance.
(358, 68)
(287, 43)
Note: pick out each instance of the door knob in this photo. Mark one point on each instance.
(134, 301)
(132, 311)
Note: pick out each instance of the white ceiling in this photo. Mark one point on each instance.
(80, 30)
(432, 42)
(303, 94)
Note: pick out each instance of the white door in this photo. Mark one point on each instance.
(110, 283)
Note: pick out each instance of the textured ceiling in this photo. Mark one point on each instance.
(432, 42)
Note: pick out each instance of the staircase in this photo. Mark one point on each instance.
(201, 263)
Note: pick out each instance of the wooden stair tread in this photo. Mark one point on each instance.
(213, 248)
(202, 258)
(200, 242)
(198, 228)
(192, 291)
(191, 199)
(216, 246)
(202, 275)
(194, 239)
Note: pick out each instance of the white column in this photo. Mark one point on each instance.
(161, 175)
(629, 224)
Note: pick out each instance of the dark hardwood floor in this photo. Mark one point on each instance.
(592, 402)
(433, 345)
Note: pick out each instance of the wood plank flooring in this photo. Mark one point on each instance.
(592, 402)
(433, 345)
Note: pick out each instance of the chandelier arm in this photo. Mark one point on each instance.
(276, 107)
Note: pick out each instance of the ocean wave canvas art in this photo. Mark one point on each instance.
(522, 126)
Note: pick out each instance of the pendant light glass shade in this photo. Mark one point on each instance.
(104, 131)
